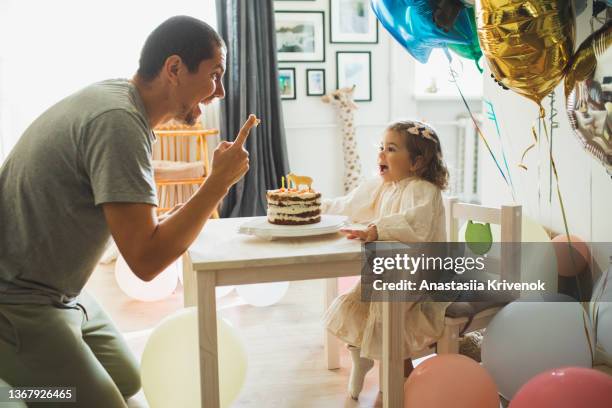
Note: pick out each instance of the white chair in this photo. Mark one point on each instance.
(461, 317)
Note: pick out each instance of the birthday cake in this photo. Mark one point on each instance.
(294, 206)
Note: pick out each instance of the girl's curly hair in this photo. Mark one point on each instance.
(422, 140)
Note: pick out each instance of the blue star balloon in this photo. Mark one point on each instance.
(411, 23)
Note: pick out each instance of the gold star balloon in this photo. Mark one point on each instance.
(588, 92)
(527, 44)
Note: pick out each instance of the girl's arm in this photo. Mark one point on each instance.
(347, 204)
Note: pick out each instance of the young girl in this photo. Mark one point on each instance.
(403, 204)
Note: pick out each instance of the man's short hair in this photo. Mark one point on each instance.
(191, 39)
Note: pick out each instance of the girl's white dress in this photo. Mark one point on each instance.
(410, 210)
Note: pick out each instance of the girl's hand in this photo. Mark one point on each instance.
(368, 235)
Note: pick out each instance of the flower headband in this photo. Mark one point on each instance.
(419, 129)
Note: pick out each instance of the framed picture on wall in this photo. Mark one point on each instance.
(315, 82)
(352, 22)
(355, 68)
(300, 36)
(286, 83)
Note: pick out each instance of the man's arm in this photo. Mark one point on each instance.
(149, 245)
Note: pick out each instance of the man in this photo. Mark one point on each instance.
(83, 170)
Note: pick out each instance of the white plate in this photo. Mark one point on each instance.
(262, 228)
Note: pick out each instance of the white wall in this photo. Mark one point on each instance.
(586, 188)
(313, 138)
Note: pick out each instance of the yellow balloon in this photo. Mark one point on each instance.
(169, 366)
(538, 260)
(527, 44)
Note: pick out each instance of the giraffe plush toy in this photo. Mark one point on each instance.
(343, 100)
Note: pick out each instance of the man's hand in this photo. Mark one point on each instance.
(368, 235)
(231, 160)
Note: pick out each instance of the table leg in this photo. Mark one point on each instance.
(332, 346)
(189, 284)
(392, 358)
(207, 335)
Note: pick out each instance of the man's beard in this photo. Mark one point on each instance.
(190, 118)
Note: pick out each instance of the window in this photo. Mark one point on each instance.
(50, 49)
(433, 80)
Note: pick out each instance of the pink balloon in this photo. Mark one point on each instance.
(569, 387)
(346, 283)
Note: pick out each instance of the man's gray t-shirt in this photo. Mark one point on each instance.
(92, 147)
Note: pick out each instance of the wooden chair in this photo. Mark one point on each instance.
(461, 317)
(181, 163)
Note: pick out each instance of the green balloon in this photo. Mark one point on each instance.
(471, 51)
(479, 237)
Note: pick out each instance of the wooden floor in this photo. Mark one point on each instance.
(284, 344)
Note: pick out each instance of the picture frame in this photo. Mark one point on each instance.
(286, 83)
(300, 36)
(315, 82)
(355, 68)
(352, 22)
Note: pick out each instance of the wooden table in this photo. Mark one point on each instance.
(221, 256)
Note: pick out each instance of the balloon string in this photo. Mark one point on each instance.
(553, 125)
(569, 240)
(522, 164)
(477, 62)
(598, 298)
(484, 139)
(493, 117)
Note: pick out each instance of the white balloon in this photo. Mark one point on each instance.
(170, 370)
(263, 294)
(159, 288)
(221, 291)
(528, 338)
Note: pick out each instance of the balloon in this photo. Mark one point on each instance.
(410, 22)
(573, 255)
(445, 13)
(580, 6)
(169, 368)
(588, 93)
(470, 51)
(159, 288)
(569, 387)
(221, 291)
(14, 404)
(527, 338)
(465, 384)
(600, 311)
(527, 44)
(478, 237)
(263, 294)
(600, 5)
